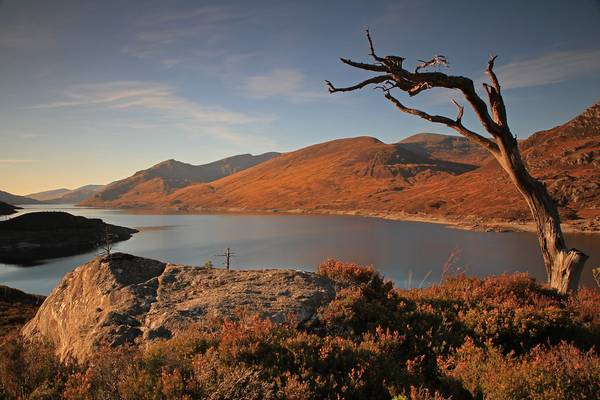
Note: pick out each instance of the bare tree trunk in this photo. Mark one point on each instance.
(563, 265)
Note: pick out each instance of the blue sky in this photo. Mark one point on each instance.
(94, 90)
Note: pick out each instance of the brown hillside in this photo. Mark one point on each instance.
(149, 186)
(566, 158)
(344, 174)
(445, 147)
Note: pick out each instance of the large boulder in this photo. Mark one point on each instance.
(127, 299)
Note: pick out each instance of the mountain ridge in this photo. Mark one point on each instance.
(66, 196)
(16, 199)
(149, 184)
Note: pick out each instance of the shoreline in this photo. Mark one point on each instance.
(468, 223)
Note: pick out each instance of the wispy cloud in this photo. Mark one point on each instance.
(288, 84)
(160, 101)
(548, 68)
(159, 36)
(15, 161)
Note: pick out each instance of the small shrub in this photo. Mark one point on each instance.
(29, 370)
(549, 373)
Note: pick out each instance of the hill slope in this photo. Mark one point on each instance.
(14, 199)
(445, 147)
(150, 185)
(344, 174)
(66, 196)
(566, 158)
(49, 194)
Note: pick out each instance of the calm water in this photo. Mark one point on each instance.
(410, 253)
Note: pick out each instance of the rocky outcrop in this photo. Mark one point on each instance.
(31, 237)
(129, 299)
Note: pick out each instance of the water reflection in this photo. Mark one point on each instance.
(407, 252)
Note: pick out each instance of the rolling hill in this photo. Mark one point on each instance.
(344, 174)
(49, 194)
(147, 187)
(566, 158)
(15, 199)
(66, 196)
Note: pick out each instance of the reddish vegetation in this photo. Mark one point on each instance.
(16, 308)
(426, 174)
(499, 338)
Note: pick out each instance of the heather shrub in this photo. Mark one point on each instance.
(512, 311)
(29, 371)
(466, 338)
(550, 373)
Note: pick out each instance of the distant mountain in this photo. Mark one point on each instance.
(48, 194)
(345, 174)
(147, 186)
(14, 199)
(66, 196)
(445, 147)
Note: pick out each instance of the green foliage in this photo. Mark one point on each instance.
(208, 264)
(498, 338)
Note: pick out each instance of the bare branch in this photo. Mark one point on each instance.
(436, 60)
(460, 112)
(494, 96)
(492, 74)
(372, 53)
(454, 124)
(415, 83)
(368, 67)
(377, 79)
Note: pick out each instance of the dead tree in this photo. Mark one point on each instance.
(228, 254)
(563, 265)
(106, 242)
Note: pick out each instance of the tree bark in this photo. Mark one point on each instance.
(563, 265)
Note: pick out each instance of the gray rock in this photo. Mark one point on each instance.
(128, 299)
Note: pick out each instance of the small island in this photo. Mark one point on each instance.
(28, 238)
(8, 209)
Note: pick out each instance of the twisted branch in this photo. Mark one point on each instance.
(451, 123)
(416, 82)
(377, 79)
(436, 60)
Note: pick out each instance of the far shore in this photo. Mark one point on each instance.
(469, 222)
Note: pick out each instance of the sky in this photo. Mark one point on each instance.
(92, 91)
